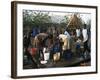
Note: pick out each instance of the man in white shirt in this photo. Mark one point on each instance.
(78, 32)
(85, 39)
(85, 35)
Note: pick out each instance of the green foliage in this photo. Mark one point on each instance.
(39, 18)
(35, 18)
(64, 22)
(27, 18)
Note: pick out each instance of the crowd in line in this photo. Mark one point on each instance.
(60, 45)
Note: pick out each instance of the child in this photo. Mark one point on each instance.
(79, 47)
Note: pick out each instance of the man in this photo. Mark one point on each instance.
(85, 39)
(78, 32)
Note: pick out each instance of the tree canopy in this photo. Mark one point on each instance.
(34, 18)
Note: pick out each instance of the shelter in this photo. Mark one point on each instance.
(74, 22)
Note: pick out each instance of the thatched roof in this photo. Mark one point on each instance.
(74, 22)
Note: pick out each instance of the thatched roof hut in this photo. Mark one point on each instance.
(74, 22)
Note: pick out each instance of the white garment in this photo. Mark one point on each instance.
(68, 35)
(78, 32)
(85, 35)
(66, 41)
(63, 37)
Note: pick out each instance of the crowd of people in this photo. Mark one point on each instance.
(60, 44)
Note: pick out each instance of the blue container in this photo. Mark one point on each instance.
(77, 46)
(67, 55)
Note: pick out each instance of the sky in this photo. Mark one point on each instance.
(59, 16)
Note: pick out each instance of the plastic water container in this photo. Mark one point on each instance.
(46, 56)
(32, 51)
(67, 55)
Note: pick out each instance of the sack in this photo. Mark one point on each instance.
(56, 57)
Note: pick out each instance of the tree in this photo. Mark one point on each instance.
(89, 24)
(40, 18)
(64, 22)
(27, 18)
(35, 18)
